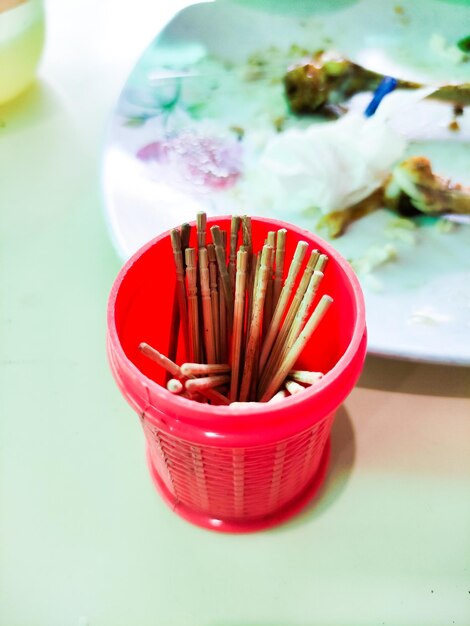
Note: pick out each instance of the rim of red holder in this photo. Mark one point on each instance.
(238, 422)
(209, 522)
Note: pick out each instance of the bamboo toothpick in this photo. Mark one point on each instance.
(234, 229)
(254, 372)
(193, 313)
(223, 350)
(256, 266)
(306, 377)
(247, 235)
(250, 288)
(238, 320)
(223, 324)
(211, 394)
(201, 222)
(283, 301)
(215, 396)
(268, 305)
(279, 269)
(290, 316)
(209, 340)
(181, 288)
(218, 239)
(321, 262)
(185, 235)
(247, 238)
(208, 382)
(271, 240)
(204, 369)
(254, 332)
(185, 232)
(302, 288)
(175, 386)
(280, 395)
(161, 359)
(213, 280)
(297, 348)
(304, 308)
(293, 387)
(293, 330)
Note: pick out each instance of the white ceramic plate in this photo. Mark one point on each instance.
(174, 145)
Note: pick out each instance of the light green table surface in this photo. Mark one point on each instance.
(84, 538)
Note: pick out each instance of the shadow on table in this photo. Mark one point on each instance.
(430, 379)
(343, 453)
(38, 103)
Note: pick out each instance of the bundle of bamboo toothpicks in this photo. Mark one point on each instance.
(243, 324)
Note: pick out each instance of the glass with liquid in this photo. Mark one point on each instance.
(21, 44)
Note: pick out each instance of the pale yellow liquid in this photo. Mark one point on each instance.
(21, 44)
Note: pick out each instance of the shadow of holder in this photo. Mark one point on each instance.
(342, 457)
(429, 379)
(40, 102)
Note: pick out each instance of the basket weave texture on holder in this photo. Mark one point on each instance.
(236, 483)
